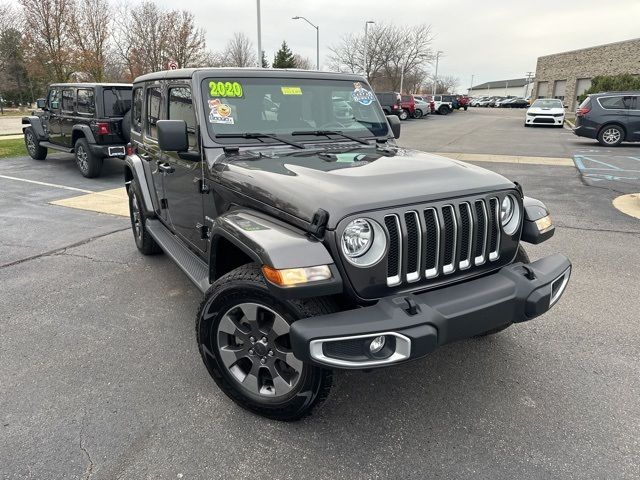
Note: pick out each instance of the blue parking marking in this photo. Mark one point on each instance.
(610, 168)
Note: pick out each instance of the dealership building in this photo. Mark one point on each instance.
(516, 87)
(567, 75)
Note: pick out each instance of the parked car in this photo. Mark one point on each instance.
(391, 103)
(545, 111)
(476, 102)
(91, 120)
(516, 103)
(502, 101)
(609, 117)
(443, 104)
(423, 108)
(485, 101)
(408, 105)
(302, 269)
(429, 100)
(463, 102)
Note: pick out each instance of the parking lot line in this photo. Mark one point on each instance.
(45, 184)
(112, 202)
(481, 157)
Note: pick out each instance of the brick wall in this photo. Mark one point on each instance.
(611, 59)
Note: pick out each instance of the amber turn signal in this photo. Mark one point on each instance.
(544, 224)
(291, 277)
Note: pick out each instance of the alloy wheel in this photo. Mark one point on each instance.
(253, 344)
(82, 158)
(611, 135)
(136, 220)
(31, 144)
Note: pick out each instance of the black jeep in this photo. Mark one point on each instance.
(318, 243)
(88, 119)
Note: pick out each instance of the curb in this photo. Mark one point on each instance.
(628, 204)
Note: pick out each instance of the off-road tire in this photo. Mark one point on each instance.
(144, 241)
(444, 110)
(126, 126)
(521, 256)
(89, 164)
(32, 145)
(246, 284)
(403, 115)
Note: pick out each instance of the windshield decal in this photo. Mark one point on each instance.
(225, 89)
(220, 112)
(362, 95)
(291, 90)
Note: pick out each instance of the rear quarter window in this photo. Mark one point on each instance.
(117, 101)
(611, 103)
(86, 102)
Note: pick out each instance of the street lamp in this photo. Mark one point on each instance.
(259, 36)
(317, 39)
(435, 76)
(366, 46)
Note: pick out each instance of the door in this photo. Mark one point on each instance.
(53, 115)
(67, 108)
(181, 182)
(633, 118)
(615, 108)
(148, 150)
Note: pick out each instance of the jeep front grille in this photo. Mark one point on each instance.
(435, 242)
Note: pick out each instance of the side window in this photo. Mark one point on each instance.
(154, 97)
(636, 105)
(181, 108)
(54, 99)
(68, 100)
(611, 103)
(628, 102)
(136, 110)
(85, 103)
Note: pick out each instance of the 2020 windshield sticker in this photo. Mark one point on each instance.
(225, 89)
(291, 90)
(362, 95)
(220, 112)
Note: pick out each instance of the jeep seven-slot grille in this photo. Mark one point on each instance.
(440, 241)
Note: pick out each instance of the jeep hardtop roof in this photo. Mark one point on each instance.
(91, 84)
(201, 73)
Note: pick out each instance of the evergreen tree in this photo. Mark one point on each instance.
(284, 57)
(265, 64)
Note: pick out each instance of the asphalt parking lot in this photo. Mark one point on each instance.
(100, 375)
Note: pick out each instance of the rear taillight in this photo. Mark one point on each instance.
(130, 150)
(581, 112)
(102, 128)
(394, 107)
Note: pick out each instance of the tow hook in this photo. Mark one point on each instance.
(407, 304)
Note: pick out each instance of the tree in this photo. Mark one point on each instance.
(90, 30)
(186, 44)
(14, 80)
(302, 62)
(445, 84)
(612, 83)
(265, 63)
(239, 51)
(284, 57)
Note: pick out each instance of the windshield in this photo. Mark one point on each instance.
(281, 106)
(547, 103)
(117, 101)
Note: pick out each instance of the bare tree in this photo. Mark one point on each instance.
(48, 36)
(239, 52)
(90, 31)
(445, 84)
(186, 43)
(391, 52)
(302, 62)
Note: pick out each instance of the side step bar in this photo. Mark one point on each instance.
(56, 147)
(189, 262)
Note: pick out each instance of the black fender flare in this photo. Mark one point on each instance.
(273, 243)
(535, 210)
(35, 123)
(134, 169)
(86, 132)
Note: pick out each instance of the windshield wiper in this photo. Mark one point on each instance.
(259, 136)
(326, 133)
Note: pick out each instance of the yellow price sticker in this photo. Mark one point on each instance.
(225, 89)
(291, 90)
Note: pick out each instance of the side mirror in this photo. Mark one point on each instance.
(172, 135)
(394, 123)
(41, 103)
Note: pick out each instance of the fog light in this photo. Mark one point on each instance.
(377, 344)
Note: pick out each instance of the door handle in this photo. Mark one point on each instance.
(166, 168)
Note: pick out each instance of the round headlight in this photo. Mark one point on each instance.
(510, 215)
(357, 238)
(506, 210)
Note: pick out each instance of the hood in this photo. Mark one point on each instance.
(348, 182)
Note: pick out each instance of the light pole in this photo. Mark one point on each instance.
(471, 88)
(435, 77)
(259, 36)
(366, 46)
(317, 39)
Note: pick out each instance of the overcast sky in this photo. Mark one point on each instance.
(491, 39)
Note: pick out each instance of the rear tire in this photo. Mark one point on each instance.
(403, 115)
(242, 332)
(32, 145)
(521, 256)
(126, 126)
(418, 114)
(88, 164)
(444, 110)
(611, 136)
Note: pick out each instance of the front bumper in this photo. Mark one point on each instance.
(544, 120)
(416, 324)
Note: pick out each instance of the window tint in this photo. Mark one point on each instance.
(54, 99)
(68, 97)
(136, 111)
(86, 101)
(117, 101)
(636, 105)
(611, 103)
(181, 108)
(154, 96)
